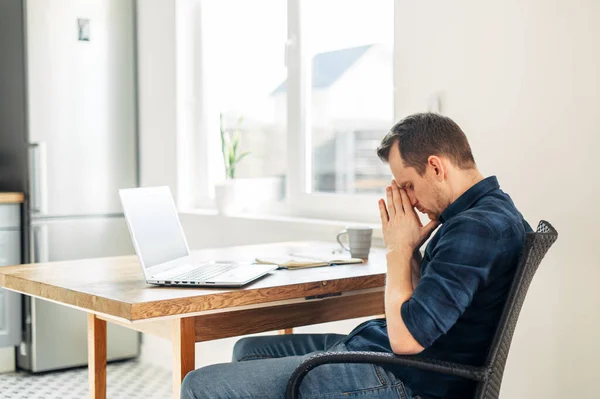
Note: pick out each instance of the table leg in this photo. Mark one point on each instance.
(97, 357)
(286, 331)
(183, 340)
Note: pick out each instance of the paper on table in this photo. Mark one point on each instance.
(308, 259)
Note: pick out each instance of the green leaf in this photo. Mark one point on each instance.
(223, 144)
(230, 146)
(236, 142)
(231, 155)
(242, 156)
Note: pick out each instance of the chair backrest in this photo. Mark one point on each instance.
(536, 246)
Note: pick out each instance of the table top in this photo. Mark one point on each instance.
(116, 287)
(11, 198)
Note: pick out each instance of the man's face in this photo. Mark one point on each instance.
(425, 192)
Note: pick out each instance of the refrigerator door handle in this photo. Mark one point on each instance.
(37, 179)
(39, 243)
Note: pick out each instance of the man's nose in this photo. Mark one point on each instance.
(411, 197)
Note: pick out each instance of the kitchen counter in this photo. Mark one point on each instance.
(11, 198)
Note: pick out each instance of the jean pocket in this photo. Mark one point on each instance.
(389, 379)
(331, 381)
(386, 392)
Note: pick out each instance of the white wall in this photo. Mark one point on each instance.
(521, 78)
(157, 92)
(171, 98)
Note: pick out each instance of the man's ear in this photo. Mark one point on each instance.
(438, 168)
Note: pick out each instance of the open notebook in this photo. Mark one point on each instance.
(308, 259)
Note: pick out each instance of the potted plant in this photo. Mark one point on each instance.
(226, 193)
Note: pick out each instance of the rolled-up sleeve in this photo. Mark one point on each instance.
(460, 263)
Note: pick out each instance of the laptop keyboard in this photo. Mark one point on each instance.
(205, 272)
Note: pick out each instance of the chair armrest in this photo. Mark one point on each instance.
(438, 366)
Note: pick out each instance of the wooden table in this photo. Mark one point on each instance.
(11, 198)
(114, 290)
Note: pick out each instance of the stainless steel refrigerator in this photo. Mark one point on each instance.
(79, 129)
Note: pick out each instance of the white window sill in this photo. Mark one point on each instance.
(286, 219)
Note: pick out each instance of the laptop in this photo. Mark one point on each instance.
(162, 249)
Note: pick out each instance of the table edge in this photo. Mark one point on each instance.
(170, 308)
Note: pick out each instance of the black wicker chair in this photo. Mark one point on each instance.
(489, 376)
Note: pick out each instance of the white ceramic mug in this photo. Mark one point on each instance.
(359, 241)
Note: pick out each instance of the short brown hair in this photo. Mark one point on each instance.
(421, 135)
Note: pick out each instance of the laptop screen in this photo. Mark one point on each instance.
(153, 224)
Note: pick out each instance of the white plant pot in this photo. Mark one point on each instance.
(227, 198)
(248, 195)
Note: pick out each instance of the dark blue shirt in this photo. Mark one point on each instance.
(466, 273)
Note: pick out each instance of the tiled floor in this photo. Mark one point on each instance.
(125, 380)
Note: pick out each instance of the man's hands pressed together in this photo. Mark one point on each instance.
(402, 228)
(403, 233)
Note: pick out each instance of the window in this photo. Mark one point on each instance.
(244, 52)
(350, 43)
(309, 86)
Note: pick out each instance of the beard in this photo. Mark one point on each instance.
(433, 216)
(437, 197)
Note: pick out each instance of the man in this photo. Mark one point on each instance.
(447, 307)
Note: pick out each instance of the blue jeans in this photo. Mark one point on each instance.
(262, 365)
